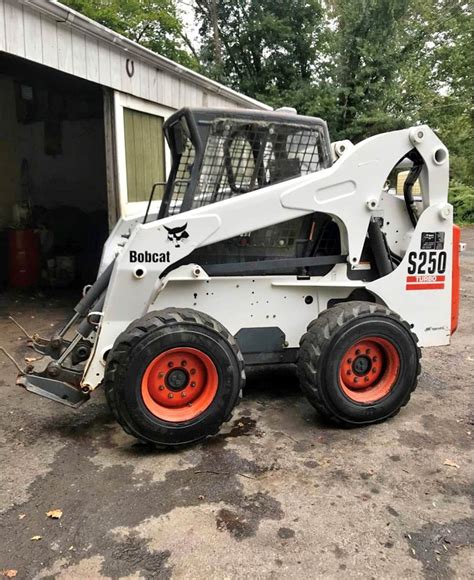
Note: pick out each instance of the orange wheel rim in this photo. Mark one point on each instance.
(179, 384)
(369, 370)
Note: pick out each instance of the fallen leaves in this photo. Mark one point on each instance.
(450, 463)
(30, 359)
(55, 514)
(36, 538)
(9, 573)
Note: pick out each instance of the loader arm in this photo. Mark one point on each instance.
(349, 190)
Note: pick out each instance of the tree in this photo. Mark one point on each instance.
(154, 24)
(261, 47)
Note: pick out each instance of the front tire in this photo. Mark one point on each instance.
(173, 377)
(358, 363)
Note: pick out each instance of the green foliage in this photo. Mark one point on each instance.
(462, 198)
(154, 24)
(264, 46)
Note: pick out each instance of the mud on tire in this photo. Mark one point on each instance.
(358, 363)
(165, 354)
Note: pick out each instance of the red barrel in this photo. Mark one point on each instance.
(24, 263)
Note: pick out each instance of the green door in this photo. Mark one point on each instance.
(144, 154)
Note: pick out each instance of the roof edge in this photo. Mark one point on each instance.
(88, 26)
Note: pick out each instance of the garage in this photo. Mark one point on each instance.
(81, 138)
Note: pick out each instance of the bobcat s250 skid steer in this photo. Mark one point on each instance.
(271, 245)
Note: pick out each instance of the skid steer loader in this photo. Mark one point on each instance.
(271, 245)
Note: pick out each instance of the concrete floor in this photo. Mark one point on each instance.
(277, 494)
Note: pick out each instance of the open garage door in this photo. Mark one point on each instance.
(53, 190)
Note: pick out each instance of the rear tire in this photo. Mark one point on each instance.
(358, 363)
(173, 377)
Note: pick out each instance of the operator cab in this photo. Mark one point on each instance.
(221, 153)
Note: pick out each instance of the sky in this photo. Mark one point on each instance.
(186, 10)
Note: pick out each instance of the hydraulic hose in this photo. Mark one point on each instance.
(82, 308)
(410, 182)
(381, 252)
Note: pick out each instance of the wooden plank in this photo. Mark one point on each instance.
(169, 89)
(158, 83)
(65, 48)
(145, 81)
(148, 166)
(113, 200)
(104, 64)
(92, 59)
(153, 84)
(49, 36)
(14, 29)
(79, 54)
(115, 72)
(129, 129)
(3, 39)
(33, 41)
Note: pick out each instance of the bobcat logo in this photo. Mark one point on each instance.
(176, 235)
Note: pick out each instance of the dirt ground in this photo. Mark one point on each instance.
(277, 494)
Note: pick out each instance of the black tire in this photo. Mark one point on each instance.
(323, 351)
(146, 339)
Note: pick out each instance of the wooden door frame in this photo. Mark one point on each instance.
(123, 101)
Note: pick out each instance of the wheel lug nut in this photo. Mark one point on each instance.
(356, 380)
(349, 373)
(161, 375)
(367, 351)
(183, 394)
(357, 351)
(374, 370)
(374, 358)
(170, 395)
(161, 387)
(349, 360)
(183, 363)
(366, 379)
(193, 384)
(171, 364)
(193, 371)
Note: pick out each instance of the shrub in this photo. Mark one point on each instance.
(462, 198)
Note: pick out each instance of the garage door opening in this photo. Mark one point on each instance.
(53, 186)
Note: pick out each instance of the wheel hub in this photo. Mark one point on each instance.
(177, 379)
(361, 365)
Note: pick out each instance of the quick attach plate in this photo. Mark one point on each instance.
(53, 389)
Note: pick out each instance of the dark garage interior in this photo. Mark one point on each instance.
(53, 188)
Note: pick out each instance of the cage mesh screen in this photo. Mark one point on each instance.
(242, 156)
(183, 176)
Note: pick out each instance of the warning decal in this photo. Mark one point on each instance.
(432, 241)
